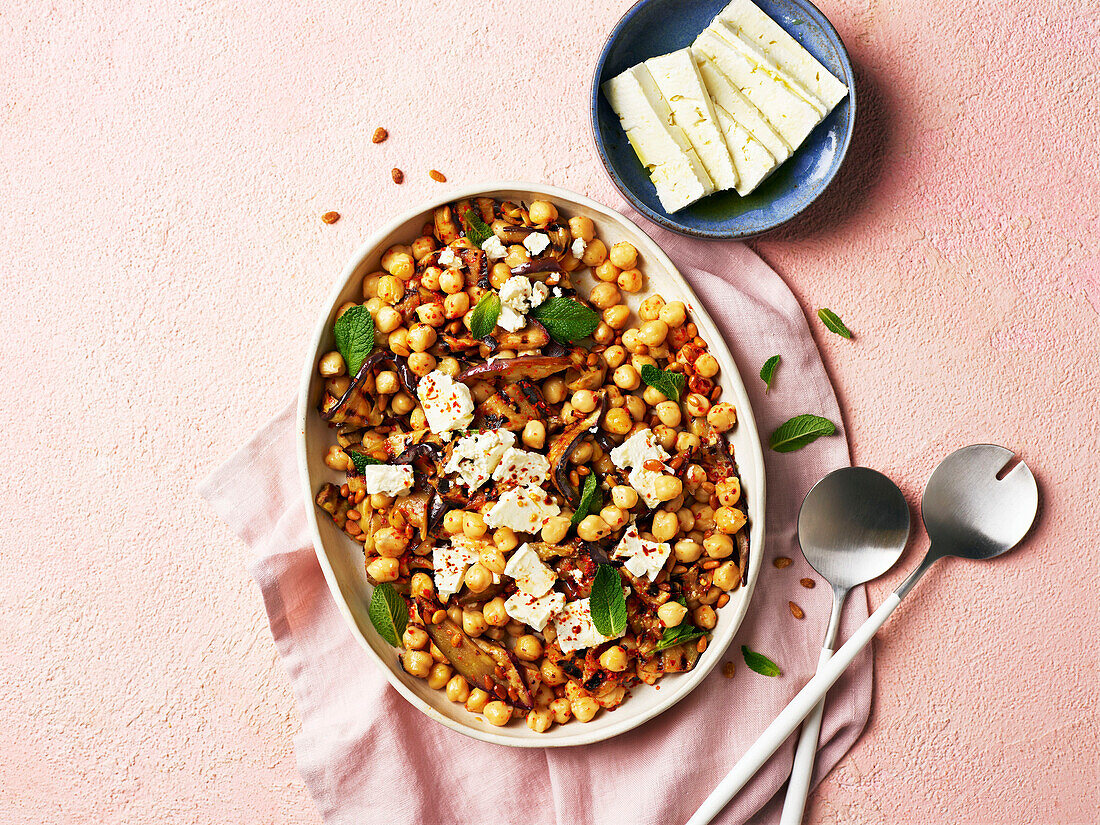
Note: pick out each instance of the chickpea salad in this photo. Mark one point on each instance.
(549, 509)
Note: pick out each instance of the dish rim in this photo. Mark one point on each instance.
(669, 222)
(687, 682)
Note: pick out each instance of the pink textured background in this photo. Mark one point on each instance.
(162, 171)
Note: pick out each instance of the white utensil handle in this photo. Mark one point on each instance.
(798, 787)
(792, 715)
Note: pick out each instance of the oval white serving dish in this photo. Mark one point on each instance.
(341, 558)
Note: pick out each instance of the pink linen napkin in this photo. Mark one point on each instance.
(368, 756)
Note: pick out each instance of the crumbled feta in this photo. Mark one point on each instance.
(634, 452)
(524, 509)
(531, 575)
(447, 403)
(578, 247)
(388, 479)
(450, 563)
(522, 294)
(532, 611)
(536, 242)
(521, 468)
(448, 258)
(643, 558)
(511, 320)
(494, 249)
(476, 456)
(576, 629)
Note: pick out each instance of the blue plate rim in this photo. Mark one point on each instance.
(661, 220)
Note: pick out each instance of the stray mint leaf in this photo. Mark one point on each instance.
(484, 319)
(833, 323)
(590, 500)
(354, 333)
(760, 663)
(668, 384)
(607, 602)
(678, 635)
(361, 460)
(799, 431)
(478, 232)
(388, 613)
(565, 319)
(767, 372)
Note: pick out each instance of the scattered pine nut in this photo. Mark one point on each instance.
(723, 600)
(330, 217)
(702, 645)
(782, 562)
(796, 611)
(379, 135)
(807, 583)
(728, 670)
(436, 175)
(397, 175)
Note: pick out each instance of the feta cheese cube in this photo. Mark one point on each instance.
(531, 575)
(633, 453)
(494, 249)
(576, 629)
(388, 479)
(447, 403)
(449, 561)
(578, 247)
(521, 468)
(643, 558)
(536, 242)
(532, 611)
(511, 320)
(476, 456)
(524, 509)
(448, 259)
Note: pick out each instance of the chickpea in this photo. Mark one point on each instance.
(686, 442)
(517, 256)
(403, 266)
(583, 400)
(727, 577)
(630, 280)
(632, 342)
(641, 359)
(674, 314)
(595, 253)
(626, 377)
(623, 255)
(722, 416)
(561, 710)
(686, 519)
(387, 320)
(728, 491)
(453, 521)
(540, 720)
(429, 278)
(417, 663)
(423, 246)
(392, 254)
(604, 296)
(705, 617)
(697, 405)
(668, 487)
(653, 333)
(570, 262)
(458, 689)
(555, 530)
(614, 516)
(542, 213)
(452, 281)
(477, 700)
(553, 389)
(666, 436)
(614, 659)
(669, 413)
(414, 638)
(390, 543)
(500, 273)
(704, 517)
(665, 526)
(370, 284)
(650, 308)
(607, 271)
(618, 421)
(592, 528)
(718, 545)
(421, 363)
(390, 289)
(421, 337)
(729, 519)
(494, 613)
(534, 435)
(614, 355)
(331, 365)
(582, 454)
(473, 622)
(505, 540)
(624, 497)
(384, 570)
(528, 648)
(421, 584)
(671, 614)
(402, 403)
(438, 676)
(707, 365)
(449, 365)
(337, 386)
(473, 525)
(687, 551)
(617, 316)
(603, 334)
(584, 708)
(398, 342)
(337, 459)
(431, 314)
(552, 674)
(582, 227)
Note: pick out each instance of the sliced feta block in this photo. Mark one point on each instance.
(388, 479)
(792, 117)
(727, 96)
(521, 468)
(524, 509)
(531, 575)
(576, 630)
(447, 403)
(746, 19)
(633, 453)
(753, 161)
(476, 456)
(664, 150)
(643, 558)
(533, 611)
(679, 82)
(449, 561)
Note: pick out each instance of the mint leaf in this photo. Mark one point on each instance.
(767, 372)
(799, 431)
(607, 603)
(668, 384)
(760, 663)
(590, 500)
(833, 323)
(361, 460)
(678, 635)
(354, 333)
(565, 319)
(388, 613)
(484, 319)
(478, 232)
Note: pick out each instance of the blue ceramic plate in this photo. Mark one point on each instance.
(655, 27)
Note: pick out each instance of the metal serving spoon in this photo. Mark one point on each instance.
(974, 508)
(853, 527)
